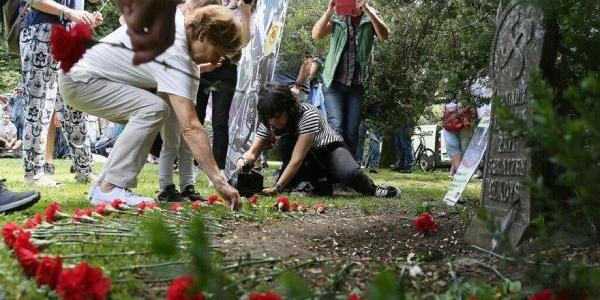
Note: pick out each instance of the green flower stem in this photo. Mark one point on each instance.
(163, 264)
(83, 233)
(276, 273)
(90, 255)
(251, 263)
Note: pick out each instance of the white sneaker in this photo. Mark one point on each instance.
(130, 198)
(41, 180)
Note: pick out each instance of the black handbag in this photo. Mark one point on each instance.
(247, 183)
(12, 20)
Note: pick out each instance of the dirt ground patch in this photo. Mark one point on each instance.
(355, 243)
(354, 246)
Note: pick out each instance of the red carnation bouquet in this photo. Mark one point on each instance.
(182, 289)
(82, 282)
(283, 204)
(69, 45)
(425, 223)
(34, 222)
(48, 271)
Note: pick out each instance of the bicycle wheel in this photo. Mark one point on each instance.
(427, 160)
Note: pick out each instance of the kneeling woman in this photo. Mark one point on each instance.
(309, 147)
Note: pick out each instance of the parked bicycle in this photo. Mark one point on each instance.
(424, 157)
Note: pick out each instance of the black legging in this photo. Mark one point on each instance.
(224, 79)
(333, 161)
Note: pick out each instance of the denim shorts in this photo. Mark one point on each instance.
(456, 142)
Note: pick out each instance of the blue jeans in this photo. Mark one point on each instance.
(343, 105)
(375, 148)
(360, 145)
(19, 124)
(404, 148)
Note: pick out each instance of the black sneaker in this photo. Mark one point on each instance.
(171, 194)
(49, 168)
(190, 193)
(387, 192)
(11, 201)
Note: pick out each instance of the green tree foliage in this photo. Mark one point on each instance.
(9, 69)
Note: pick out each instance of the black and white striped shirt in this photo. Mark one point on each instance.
(310, 121)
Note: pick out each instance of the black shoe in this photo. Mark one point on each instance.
(374, 171)
(387, 192)
(11, 201)
(190, 193)
(404, 170)
(171, 194)
(49, 168)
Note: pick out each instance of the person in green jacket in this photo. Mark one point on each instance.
(348, 64)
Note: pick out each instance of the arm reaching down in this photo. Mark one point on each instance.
(301, 149)
(198, 142)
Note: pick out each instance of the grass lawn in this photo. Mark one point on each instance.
(120, 254)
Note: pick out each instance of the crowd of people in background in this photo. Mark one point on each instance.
(114, 108)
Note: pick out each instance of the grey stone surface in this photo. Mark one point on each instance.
(516, 52)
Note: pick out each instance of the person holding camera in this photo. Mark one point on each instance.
(348, 62)
(308, 146)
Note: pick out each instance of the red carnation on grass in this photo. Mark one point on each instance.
(23, 242)
(182, 289)
(253, 201)
(321, 208)
(549, 294)
(283, 204)
(117, 204)
(473, 298)
(212, 199)
(28, 260)
(294, 207)
(196, 204)
(34, 222)
(68, 46)
(355, 297)
(176, 207)
(52, 212)
(82, 282)
(302, 208)
(425, 223)
(8, 234)
(48, 271)
(142, 207)
(78, 214)
(265, 296)
(101, 209)
(542, 295)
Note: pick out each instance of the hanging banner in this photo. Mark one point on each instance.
(256, 68)
(471, 159)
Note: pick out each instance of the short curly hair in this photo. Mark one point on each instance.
(218, 24)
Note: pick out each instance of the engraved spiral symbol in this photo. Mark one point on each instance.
(516, 34)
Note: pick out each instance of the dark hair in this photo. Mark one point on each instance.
(275, 98)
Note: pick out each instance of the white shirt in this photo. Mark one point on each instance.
(113, 63)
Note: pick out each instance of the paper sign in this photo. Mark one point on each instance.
(470, 161)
